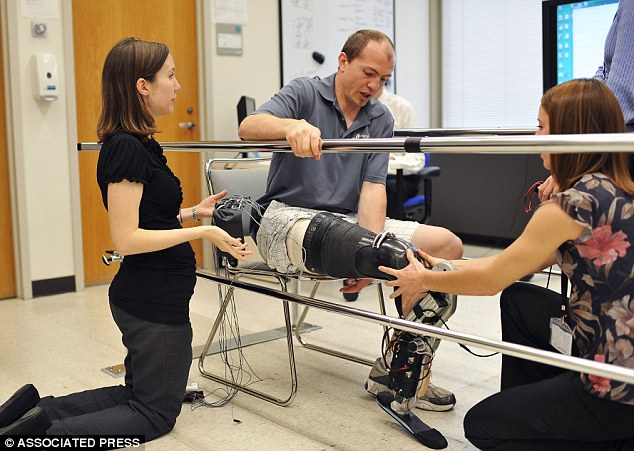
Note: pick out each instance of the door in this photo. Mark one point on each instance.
(97, 26)
(7, 259)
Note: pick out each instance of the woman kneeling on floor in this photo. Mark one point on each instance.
(588, 229)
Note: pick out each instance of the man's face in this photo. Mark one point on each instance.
(362, 77)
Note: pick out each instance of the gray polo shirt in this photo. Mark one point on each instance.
(334, 182)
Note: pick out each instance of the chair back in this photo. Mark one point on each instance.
(239, 176)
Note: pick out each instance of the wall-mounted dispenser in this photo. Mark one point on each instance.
(45, 77)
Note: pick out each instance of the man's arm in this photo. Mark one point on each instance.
(373, 198)
(304, 138)
(372, 206)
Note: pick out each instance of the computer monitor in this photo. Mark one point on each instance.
(574, 37)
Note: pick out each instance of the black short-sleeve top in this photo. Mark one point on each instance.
(154, 286)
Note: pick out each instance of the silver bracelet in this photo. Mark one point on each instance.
(194, 214)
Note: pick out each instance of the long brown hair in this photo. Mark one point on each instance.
(122, 107)
(586, 106)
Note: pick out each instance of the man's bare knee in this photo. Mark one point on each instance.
(438, 242)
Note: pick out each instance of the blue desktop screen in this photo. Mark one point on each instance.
(581, 31)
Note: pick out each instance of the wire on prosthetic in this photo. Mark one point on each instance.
(408, 357)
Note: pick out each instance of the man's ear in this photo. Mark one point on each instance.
(142, 86)
(342, 59)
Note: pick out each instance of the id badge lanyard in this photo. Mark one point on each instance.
(560, 332)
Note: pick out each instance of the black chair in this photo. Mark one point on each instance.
(246, 106)
(418, 208)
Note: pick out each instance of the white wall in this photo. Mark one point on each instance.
(412, 56)
(256, 73)
(41, 153)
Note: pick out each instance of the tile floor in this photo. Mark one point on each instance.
(60, 343)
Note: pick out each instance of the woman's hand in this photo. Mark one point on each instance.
(409, 281)
(429, 260)
(227, 243)
(547, 189)
(206, 207)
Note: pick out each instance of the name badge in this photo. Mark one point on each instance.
(560, 336)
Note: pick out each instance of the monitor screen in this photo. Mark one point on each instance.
(573, 38)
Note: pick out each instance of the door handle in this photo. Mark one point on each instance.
(189, 125)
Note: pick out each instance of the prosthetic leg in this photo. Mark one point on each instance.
(340, 249)
(337, 248)
(409, 359)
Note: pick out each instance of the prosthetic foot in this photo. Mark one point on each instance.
(338, 248)
(422, 432)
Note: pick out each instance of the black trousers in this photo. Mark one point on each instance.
(540, 406)
(157, 368)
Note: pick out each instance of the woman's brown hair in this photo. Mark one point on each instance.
(586, 106)
(122, 107)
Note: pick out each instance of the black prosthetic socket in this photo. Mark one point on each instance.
(338, 248)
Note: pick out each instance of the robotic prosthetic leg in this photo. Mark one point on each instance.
(409, 359)
(337, 248)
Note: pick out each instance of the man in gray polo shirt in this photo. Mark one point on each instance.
(303, 183)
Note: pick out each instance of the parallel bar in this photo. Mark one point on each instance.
(513, 144)
(524, 352)
(463, 131)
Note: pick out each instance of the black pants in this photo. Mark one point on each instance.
(157, 368)
(540, 406)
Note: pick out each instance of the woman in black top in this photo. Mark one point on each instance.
(149, 296)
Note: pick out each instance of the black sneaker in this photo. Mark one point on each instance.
(435, 398)
(350, 297)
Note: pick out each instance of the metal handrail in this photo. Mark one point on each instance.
(463, 131)
(525, 352)
(508, 144)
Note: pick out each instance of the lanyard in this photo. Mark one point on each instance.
(564, 297)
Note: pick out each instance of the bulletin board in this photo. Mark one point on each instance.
(315, 30)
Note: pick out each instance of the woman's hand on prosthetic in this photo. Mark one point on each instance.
(429, 260)
(206, 207)
(227, 243)
(409, 281)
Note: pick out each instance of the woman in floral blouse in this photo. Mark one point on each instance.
(588, 229)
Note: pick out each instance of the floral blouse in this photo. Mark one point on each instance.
(600, 266)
